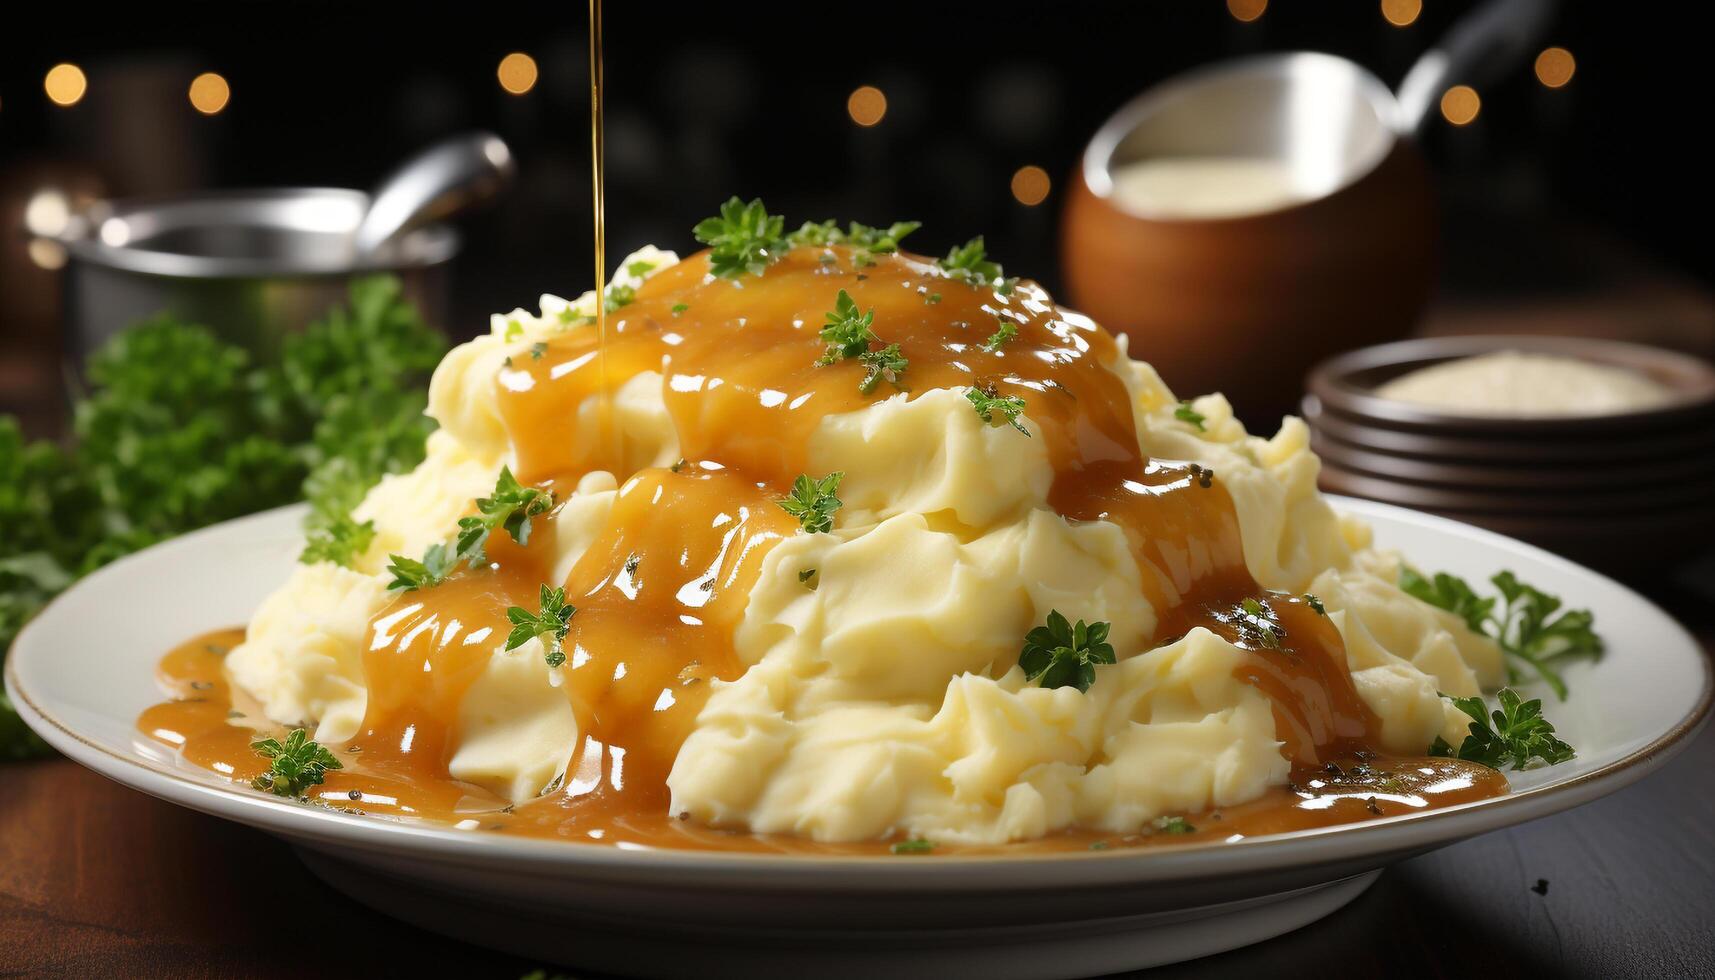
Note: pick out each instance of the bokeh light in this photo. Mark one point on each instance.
(1554, 67)
(1246, 10)
(65, 84)
(517, 73)
(867, 105)
(1460, 104)
(46, 253)
(1401, 13)
(1030, 185)
(209, 93)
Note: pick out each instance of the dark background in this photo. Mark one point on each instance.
(710, 99)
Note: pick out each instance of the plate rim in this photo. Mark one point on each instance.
(1372, 840)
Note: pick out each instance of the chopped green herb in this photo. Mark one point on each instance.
(618, 296)
(1172, 825)
(806, 575)
(1315, 604)
(679, 308)
(340, 540)
(997, 409)
(1257, 623)
(932, 298)
(538, 349)
(552, 621)
(916, 846)
(846, 330)
(294, 765)
(969, 263)
(814, 501)
(1516, 733)
(742, 239)
(1061, 654)
(886, 364)
(408, 573)
(874, 241)
(511, 507)
(1185, 413)
(514, 330)
(639, 269)
(1100, 845)
(1000, 338)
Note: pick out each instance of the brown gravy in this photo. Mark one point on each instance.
(661, 591)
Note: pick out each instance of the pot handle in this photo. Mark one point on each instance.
(445, 178)
(1480, 47)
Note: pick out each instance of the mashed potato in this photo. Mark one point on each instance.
(888, 699)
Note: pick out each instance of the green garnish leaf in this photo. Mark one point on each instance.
(875, 241)
(846, 330)
(618, 296)
(997, 409)
(1000, 338)
(970, 263)
(814, 501)
(1516, 733)
(1185, 413)
(511, 507)
(742, 239)
(341, 540)
(886, 364)
(679, 308)
(1258, 624)
(1448, 592)
(552, 620)
(1315, 604)
(294, 765)
(537, 349)
(1526, 628)
(1061, 654)
(1172, 825)
(639, 269)
(408, 573)
(915, 846)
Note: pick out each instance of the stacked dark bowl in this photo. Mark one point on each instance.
(1624, 492)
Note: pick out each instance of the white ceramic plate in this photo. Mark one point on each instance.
(83, 670)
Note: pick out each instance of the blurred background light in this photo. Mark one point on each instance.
(517, 73)
(1554, 67)
(1246, 10)
(1460, 104)
(65, 84)
(1402, 13)
(209, 93)
(1030, 185)
(47, 212)
(47, 253)
(867, 105)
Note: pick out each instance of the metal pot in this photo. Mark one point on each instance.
(256, 265)
(252, 266)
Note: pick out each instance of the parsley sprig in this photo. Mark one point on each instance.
(997, 409)
(552, 620)
(742, 239)
(409, 573)
(340, 540)
(1065, 655)
(814, 501)
(1526, 627)
(1007, 333)
(294, 765)
(1515, 733)
(970, 263)
(510, 508)
(847, 330)
(876, 241)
